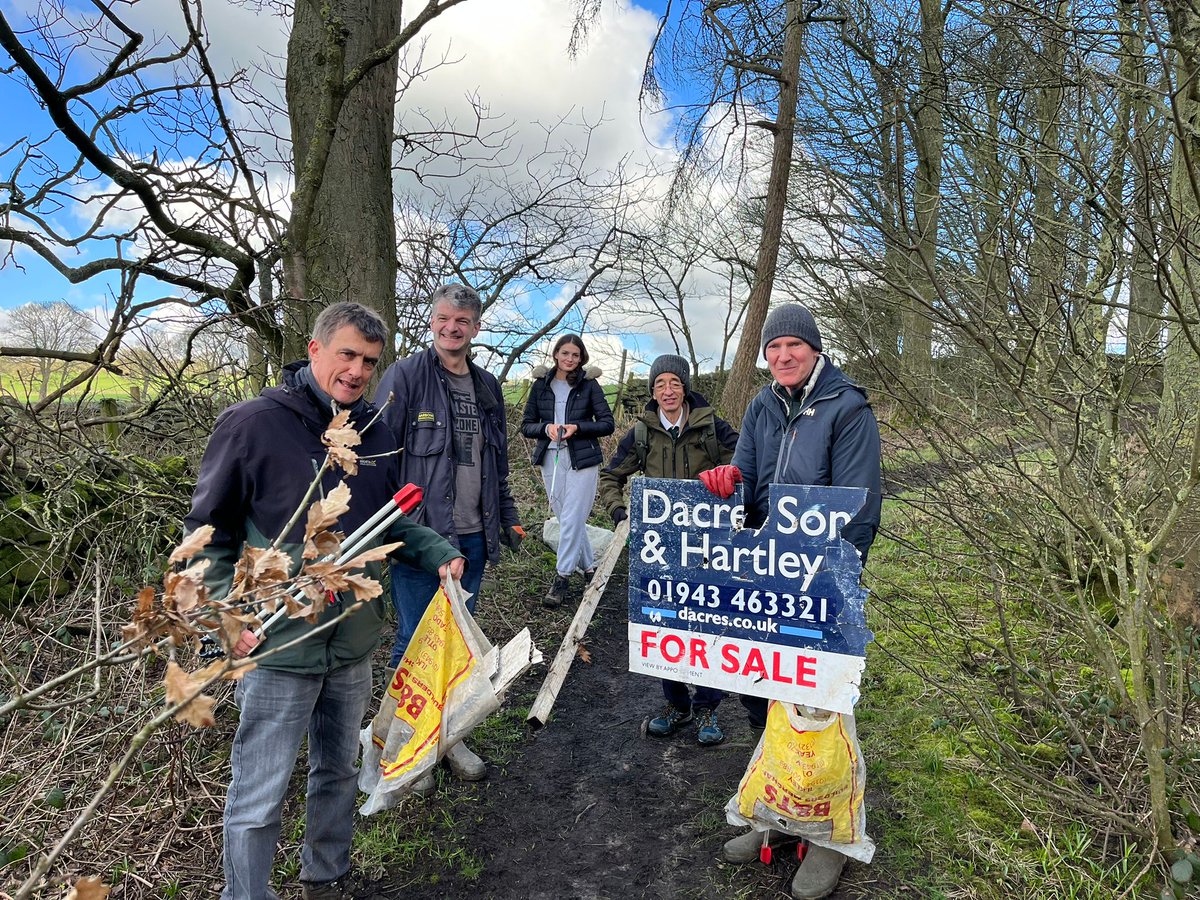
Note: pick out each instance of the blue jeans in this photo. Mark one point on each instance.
(412, 589)
(677, 695)
(277, 709)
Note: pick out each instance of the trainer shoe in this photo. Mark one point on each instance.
(745, 848)
(708, 732)
(465, 764)
(672, 719)
(326, 890)
(818, 873)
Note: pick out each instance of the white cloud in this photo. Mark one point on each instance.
(510, 56)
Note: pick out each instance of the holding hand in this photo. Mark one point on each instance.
(452, 569)
(245, 645)
(720, 480)
(619, 515)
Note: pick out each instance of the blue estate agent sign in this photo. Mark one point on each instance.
(775, 612)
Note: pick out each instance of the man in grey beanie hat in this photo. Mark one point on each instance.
(791, 319)
(677, 436)
(669, 364)
(832, 439)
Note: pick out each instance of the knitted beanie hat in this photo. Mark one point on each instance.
(791, 320)
(669, 364)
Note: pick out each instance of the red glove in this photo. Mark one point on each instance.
(721, 480)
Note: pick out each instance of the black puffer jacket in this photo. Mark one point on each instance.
(586, 408)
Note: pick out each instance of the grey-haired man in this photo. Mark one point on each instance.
(831, 438)
(448, 416)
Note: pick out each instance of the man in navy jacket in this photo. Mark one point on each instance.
(312, 679)
(811, 425)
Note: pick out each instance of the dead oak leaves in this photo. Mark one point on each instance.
(262, 582)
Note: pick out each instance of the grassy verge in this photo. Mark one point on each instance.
(947, 822)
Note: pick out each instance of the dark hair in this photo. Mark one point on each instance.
(568, 338)
(460, 297)
(332, 318)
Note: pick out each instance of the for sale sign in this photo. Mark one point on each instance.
(775, 612)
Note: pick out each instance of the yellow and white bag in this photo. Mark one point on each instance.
(806, 778)
(450, 679)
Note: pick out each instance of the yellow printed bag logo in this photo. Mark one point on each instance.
(436, 660)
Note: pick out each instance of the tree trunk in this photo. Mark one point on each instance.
(347, 247)
(928, 143)
(1046, 252)
(739, 390)
(1181, 376)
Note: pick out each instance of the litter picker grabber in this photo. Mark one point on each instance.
(403, 502)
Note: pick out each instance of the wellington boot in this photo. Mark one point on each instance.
(746, 847)
(465, 764)
(425, 785)
(818, 874)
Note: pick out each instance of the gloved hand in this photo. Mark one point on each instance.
(512, 535)
(721, 479)
(619, 515)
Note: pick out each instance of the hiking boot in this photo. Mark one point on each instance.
(745, 848)
(818, 873)
(557, 595)
(672, 719)
(465, 764)
(708, 732)
(326, 890)
(587, 575)
(425, 785)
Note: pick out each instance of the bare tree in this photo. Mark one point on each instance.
(54, 334)
(1056, 261)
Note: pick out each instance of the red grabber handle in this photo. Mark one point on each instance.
(408, 498)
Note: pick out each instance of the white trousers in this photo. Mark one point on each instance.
(572, 493)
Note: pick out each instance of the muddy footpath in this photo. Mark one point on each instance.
(590, 807)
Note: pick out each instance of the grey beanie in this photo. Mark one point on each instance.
(791, 320)
(670, 364)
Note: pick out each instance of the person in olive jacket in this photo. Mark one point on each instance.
(678, 436)
(256, 470)
(566, 414)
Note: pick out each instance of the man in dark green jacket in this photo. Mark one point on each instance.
(261, 458)
(678, 436)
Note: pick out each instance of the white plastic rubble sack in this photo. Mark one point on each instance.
(450, 679)
(598, 537)
(806, 778)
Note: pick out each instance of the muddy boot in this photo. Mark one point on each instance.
(425, 785)
(745, 848)
(465, 764)
(670, 721)
(557, 595)
(818, 874)
(326, 890)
